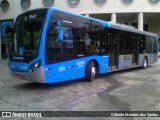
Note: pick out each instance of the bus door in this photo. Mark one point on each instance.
(135, 48)
(112, 49)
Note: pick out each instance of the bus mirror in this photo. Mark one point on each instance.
(60, 34)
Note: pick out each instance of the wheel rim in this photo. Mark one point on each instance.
(145, 63)
(93, 71)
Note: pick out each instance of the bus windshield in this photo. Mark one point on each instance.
(26, 36)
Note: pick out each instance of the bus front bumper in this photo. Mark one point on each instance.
(36, 76)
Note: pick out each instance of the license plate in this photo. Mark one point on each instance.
(19, 77)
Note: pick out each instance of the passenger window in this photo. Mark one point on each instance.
(142, 44)
(87, 40)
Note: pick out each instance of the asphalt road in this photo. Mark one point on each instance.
(130, 90)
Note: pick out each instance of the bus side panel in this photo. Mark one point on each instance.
(125, 61)
(73, 69)
(141, 57)
(156, 57)
(152, 58)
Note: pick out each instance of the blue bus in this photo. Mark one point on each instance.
(5, 35)
(50, 45)
(6, 29)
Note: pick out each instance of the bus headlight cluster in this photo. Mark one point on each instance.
(35, 66)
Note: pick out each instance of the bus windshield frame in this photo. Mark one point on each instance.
(26, 37)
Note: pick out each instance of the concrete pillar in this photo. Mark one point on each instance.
(140, 21)
(113, 17)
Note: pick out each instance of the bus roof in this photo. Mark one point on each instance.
(110, 24)
(132, 29)
(106, 23)
(101, 22)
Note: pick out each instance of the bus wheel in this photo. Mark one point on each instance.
(90, 72)
(145, 63)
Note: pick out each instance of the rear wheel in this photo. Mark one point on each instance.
(145, 63)
(90, 72)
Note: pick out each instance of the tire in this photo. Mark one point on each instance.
(90, 72)
(145, 63)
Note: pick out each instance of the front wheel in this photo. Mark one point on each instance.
(90, 72)
(145, 63)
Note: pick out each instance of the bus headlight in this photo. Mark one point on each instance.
(35, 66)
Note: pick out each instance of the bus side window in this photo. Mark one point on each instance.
(142, 44)
(92, 48)
(158, 44)
(51, 38)
(68, 38)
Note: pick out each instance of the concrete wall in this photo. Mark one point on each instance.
(124, 13)
(85, 7)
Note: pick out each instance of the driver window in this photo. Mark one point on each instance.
(52, 37)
